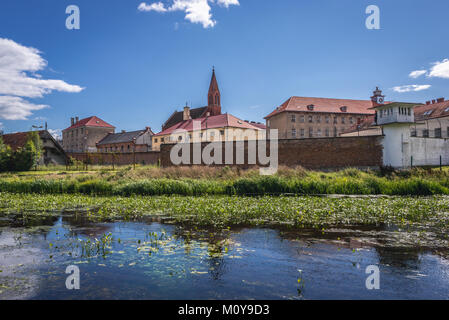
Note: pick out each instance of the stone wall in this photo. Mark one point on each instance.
(322, 153)
(144, 158)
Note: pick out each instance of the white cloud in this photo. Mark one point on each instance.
(16, 108)
(197, 11)
(157, 6)
(440, 69)
(417, 73)
(411, 88)
(18, 80)
(56, 133)
(227, 3)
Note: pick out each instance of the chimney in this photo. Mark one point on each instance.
(123, 131)
(427, 102)
(77, 120)
(433, 101)
(440, 100)
(72, 121)
(186, 114)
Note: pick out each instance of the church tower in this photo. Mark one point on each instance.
(214, 97)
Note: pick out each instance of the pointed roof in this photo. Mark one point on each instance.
(213, 122)
(213, 83)
(91, 122)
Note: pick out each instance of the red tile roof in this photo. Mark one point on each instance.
(439, 110)
(300, 104)
(15, 140)
(91, 122)
(220, 121)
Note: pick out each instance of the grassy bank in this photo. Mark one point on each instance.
(153, 181)
(223, 211)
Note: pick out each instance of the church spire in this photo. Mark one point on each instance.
(214, 97)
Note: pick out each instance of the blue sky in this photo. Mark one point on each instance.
(133, 68)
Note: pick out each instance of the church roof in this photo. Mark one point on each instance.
(213, 83)
(177, 116)
(122, 137)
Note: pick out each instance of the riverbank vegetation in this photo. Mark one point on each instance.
(200, 181)
(224, 211)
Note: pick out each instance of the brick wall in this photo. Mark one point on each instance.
(323, 153)
(146, 158)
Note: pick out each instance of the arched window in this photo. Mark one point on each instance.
(216, 99)
(211, 100)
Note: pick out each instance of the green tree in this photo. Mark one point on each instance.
(5, 156)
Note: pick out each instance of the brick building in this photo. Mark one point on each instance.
(53, 153)
(83, 135)
(126, 142)
(304, 117)
(212, 125)
(213, 107)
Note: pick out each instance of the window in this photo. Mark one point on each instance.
(413, 132)
(335, 120)
(162, 140)
(302, 119)
(409, 111)
(268, 123)
(327, 119)
(293, 133)
(310, 119)
(293, 118)
(343, 120)
(327, 132)
(344, 109)
(318, 119)
(155, 140)
(335, 131)
(130, 148)
(122, 149)
(310, 107)
(425, 133)
(318, 132)
(179, 138)
(438, 133)
(302, 133)
(310, 132)
(222, 132)
(351, 120)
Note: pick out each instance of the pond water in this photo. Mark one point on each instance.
(153, 260)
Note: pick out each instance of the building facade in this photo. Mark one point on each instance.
(206, 124)
(52, 153)
(213, 107)
(432, 119)
(303, 117)
(126, 142)
(83, 135)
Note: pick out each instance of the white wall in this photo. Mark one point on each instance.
(395, 145)
(399, 148)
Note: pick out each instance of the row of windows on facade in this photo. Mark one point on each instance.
(317, 119)
(73, 133)
(211, 134)
(389, 111)
(437, 133)
(327, 132)
(112, 149)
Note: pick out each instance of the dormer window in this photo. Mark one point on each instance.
(428, 113)
(310, 107)
(344, 109)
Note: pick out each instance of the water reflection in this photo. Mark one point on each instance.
(152, 260)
